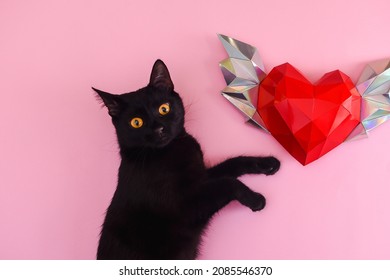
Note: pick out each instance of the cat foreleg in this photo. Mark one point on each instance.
(237, 166)
(217, 193)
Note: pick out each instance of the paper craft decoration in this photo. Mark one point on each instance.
(243, 71)
(308, 120)
(374, 87)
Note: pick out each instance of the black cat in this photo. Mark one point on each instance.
(165, 195)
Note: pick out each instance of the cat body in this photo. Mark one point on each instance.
(165, 195)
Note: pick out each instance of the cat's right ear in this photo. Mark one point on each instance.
(160, 78)
(111, 101)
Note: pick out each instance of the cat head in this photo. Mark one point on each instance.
(150, 117)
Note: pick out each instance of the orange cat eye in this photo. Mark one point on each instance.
(136, 122)
(164, 109)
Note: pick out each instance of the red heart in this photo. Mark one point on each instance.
(308, 120)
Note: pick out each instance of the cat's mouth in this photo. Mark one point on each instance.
(158, 140)
(163, 140)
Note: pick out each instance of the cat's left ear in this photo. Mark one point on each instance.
(160, 78)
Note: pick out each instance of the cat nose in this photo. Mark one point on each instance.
(159, 130)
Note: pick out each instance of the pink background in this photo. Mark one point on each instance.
(58, 152)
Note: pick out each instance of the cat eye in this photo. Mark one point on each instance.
(164, 109)
(136, 122)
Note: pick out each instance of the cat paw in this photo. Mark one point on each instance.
(258, 202)
(267, 165)
(255, 201)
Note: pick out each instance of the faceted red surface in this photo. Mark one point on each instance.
(308, 120)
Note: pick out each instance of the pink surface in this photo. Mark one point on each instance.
(58, 153)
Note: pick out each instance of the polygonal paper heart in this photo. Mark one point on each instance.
(308, 120)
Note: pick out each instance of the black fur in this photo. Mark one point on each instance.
(165, 195)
